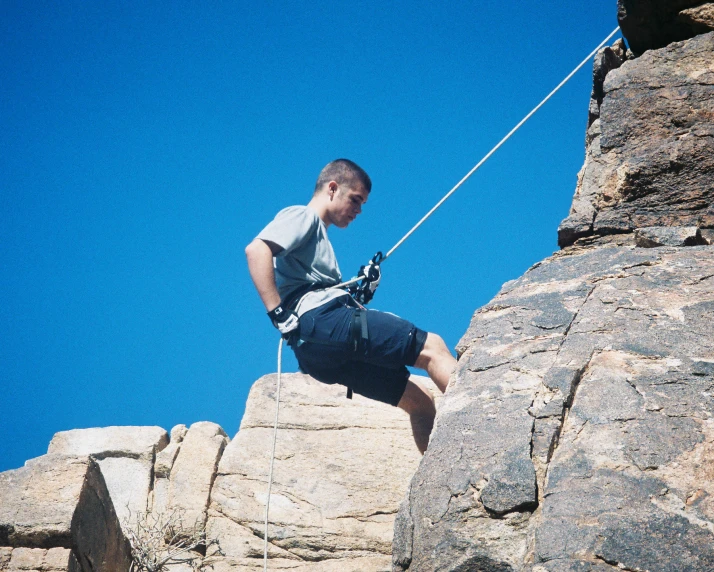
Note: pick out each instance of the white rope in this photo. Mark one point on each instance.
(501, 142)
(272, 455)
(488, 155)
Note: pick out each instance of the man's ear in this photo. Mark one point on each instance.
(332, 187)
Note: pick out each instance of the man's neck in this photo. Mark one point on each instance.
(317, 203)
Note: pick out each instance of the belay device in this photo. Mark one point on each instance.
(363, 291)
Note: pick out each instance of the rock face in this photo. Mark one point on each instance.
(53, 504)
(125, 456)
(341, 469)
(700, 18)
(38, 560)
(578, 429)
(195, 467)
(650, 153)
(577, 433)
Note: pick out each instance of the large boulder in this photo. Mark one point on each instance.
(126, 458)
(56, 503)
(194, 470)
(650, 145)
(578, 432)
(341, 469)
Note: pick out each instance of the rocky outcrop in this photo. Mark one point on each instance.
(125, 456)
(194, 470)
(341, 469)
(56, 514)
(159, 496)
(650, 153)
(651, 24)
(700, 18)
(578, 429)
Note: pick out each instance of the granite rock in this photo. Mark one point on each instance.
(126, 457)
(654, 236)
(606, 60)
(194, 470)
(341, 469)
(650, 145)
(701, 18)
(596, 369)
(159, 495)
(102, 442)
(38, 560)
(56, 503)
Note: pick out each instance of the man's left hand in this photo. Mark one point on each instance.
(372, 275)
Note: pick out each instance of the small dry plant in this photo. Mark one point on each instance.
(160, 540)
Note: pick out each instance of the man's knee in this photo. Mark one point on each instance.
(434, 348)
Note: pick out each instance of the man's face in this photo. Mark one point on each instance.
(346, 203)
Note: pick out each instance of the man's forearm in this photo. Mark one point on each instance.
(260, 266)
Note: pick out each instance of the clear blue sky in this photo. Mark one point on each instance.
(144, 144)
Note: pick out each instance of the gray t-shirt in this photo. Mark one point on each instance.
(307, 256)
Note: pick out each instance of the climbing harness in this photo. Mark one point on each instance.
(365, 279)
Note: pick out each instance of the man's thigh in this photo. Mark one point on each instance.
(325, 337)
(393, 342)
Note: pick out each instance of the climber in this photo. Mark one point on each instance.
(334, 338)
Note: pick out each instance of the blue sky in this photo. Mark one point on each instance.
(145, 144)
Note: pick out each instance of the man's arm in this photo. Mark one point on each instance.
(260, 265)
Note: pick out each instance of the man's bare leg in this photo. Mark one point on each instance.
(438, 362)
(418, 402)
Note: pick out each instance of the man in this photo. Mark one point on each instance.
(335, 339)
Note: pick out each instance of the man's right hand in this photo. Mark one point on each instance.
(285, 320)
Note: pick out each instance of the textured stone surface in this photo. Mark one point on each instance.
(59, 502)
(194, 470)
(126, 457)
(701, 18)
(650, 237)
(650, 153)
(606, 60)
(38, 560)
(649, 24)
(104, 442)
(159, 495)
(597, 368)
(341, 469)
(37, 501)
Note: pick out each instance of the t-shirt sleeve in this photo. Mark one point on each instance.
(290, 228)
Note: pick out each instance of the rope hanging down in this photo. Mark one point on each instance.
(397, 245)
(272, 455)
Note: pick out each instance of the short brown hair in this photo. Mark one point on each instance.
(343, 172)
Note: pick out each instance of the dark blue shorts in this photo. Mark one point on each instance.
(324, 349)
